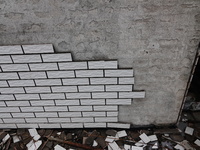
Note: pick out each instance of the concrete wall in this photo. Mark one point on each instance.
(158, 38)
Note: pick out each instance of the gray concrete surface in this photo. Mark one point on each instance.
(158, 38)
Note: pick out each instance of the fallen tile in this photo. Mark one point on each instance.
(94, 144)
(4, 140)
(34, 134)
(155, 146)
(153, 138)
(140, 143)
(114, 146)
(58, 147)
(16, 139)
(197, 142)
(35, 146)
(121, 133)
(189, 130)
(144, 138)
(179, 147)
(137, 148)
(127, 147)
(110, 139)
(186, 145)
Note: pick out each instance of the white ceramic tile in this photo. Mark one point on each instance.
(26, 58)
(58, 57)
(89, 73)
(72, 65)
(16, 49)
(41, 48)
(60, 74)
(15, 67)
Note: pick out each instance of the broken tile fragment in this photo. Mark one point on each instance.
(153, 138)
(114, 146)
(197, 142)
(189, 130)
(144, 138)
(179, 147)
(16, 139)
(121, 133)
(4, 140)
(58, 147)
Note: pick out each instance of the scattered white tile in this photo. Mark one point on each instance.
(35, 146)
(166, 134)
(179, 147)
(127, 147)
(144, 138)
(34, 134)
(137, 148)
(114, 146)
(155, 146)
(153, 138)
(28, 145)
(189, 130)
(4, 140)
(140, 143)
(110, 139)
(121, 133)
(16, 139)
(58, 147)
(94, 143)
(59, 133)
(197, 142)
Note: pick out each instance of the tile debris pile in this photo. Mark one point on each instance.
(185, 137)
(43, 89)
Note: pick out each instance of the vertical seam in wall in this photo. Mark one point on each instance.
(14, 96)
(74, 73)
(11, 59)
(34, 82)
(87, 65)
(22, 49)
(51, 88)
(18, 75)
(20, 109)
(41, 58)
(8, 83)
(57, 65)
(1, 69)
(29, 67)
(62, 82)
(46, 74)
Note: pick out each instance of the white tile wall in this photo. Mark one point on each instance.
(59, 93)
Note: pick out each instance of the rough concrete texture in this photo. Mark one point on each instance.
(158, 38)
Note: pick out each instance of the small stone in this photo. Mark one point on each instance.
(111, 132)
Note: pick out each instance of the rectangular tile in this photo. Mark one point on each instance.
(17, 103)
(23, 115)
(56, 108)
(53, 96)
(49, 125)
(92, 102)
(9, 109)
(7, 76)
(41, 48)
(118, 101)
(3, 84)
(89, 88)
(32, 75)
(8, 126)
(56, 89)
(27, 125)
(103, 81)
(32, 109)
(80, 108)
(37, 89)
(21, 83)
(106, 119)
(102, 64)
(72, 65)
(105, 108)
(118, 125)
(89, 73)
(57, 57)
(112, 113)
(43, 66)
(127, 80)
(56, 120)
(78, 95)
(60, 74)
(5, 115)
(46, 114)
(76, 81)
(26, 58)
(67, 102)
(69, 114)
(14, 67)
(15, 49)
(36, 120)
(104, 95)
(72, 125)
(6, 97)
(82, 119)
(27, 96)
(42, 103)
(48, 82)
(117, 88)
(94, 114)
(11, 90)
(132, 94)
(14, 120)
(2, 103)
(5, 59)
(119, 73)
(95, 125)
